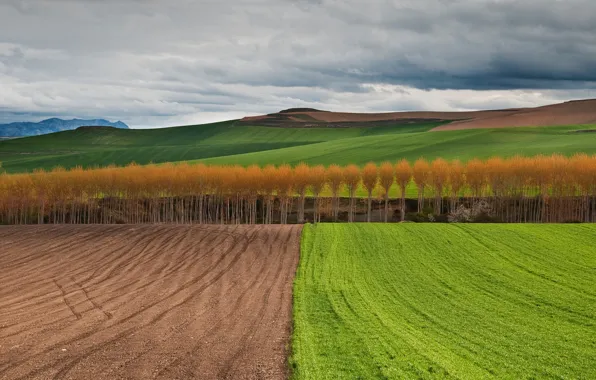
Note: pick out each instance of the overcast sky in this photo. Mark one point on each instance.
(155, 63)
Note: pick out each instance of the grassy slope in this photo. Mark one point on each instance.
(445, 301)
(112, 146)
(227, 143)
(464, 145)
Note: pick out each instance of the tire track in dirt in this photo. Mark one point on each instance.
(62, 247)
(121, 294)
(242, 347)
(64, 295)
(194, 351)
(165, 301)
(129, 331)
(50, 261)
(107, 314)
(241, 358)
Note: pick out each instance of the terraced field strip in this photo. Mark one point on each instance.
(445, 301)
(146, 302)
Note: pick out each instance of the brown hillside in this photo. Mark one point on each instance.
(573, 112)
(426, 115)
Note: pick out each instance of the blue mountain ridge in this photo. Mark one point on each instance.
(21, 129)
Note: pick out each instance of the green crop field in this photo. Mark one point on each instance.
(463, 144)
(232, 143)
(106, 146)
(445, 301)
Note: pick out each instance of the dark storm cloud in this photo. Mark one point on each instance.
(132, 59)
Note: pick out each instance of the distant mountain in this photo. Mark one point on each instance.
(53, 125)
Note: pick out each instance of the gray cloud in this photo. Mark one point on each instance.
(155, 63)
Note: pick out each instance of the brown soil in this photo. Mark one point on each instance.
(346, 117)
(146, 302)
(334, 117)
(254, 118)
(569, 113)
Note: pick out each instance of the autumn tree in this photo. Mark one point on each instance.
(386, 180)
(269, 186)
(352, 180)
(370, 178)
(335, 176)
(254, 180)
(476, 177)
(301, 182)
(496, 169)
(318, 180)
(457, 182)
(284, 187)
(403, 176)
(421, 175)
(439, 175)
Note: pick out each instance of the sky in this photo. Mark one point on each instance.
(158, 63)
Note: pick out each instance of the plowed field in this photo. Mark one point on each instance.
(146, 302)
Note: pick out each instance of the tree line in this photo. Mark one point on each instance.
(518, 189)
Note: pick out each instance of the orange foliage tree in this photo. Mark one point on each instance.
(302, 181)
(421, 175)
(335, 176)
(386, 180)
(318, 181)
(370, 179)
(457, 181)
(352, 180)
(403, 176)
(439, 175)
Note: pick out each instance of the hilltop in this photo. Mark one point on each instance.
(568, 113)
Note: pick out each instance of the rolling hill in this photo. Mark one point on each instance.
(568, 113)
(312, 136)
(105, 146)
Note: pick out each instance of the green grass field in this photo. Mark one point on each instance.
(464, 145)
(415, 301)
(228, 143)
(102, 147)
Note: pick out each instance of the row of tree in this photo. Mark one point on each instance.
(519, 189)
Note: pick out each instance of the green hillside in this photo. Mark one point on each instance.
(463, 144)
(422, 301)
(105, 146)
(234, 143)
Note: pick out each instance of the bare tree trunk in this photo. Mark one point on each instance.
(369, 212)
(351, 211)
(301, 208)
(386, 206)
